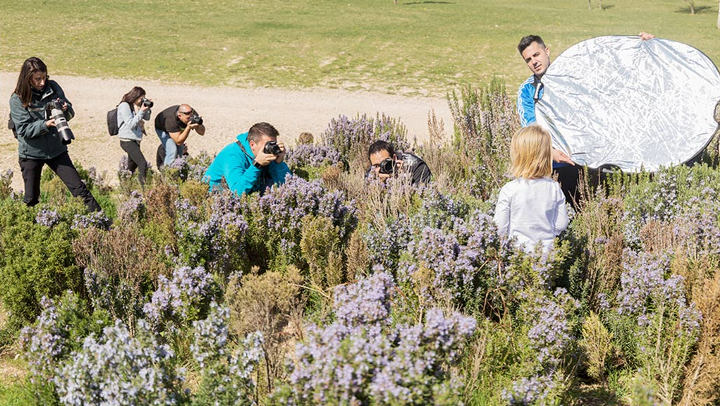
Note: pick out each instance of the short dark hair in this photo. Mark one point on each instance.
(381, 145)
(526, 41)
(259, 129)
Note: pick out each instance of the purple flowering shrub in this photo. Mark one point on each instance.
(485, 120)
(47, 217)
(96, 219)
(36, 260)
(363, 358)
(275, 220)
(351, 137)
(312, 155)
(226, 373)
(655, 324)
(213, 235)
(119, 368)
(468, 265)
(133, 209)
(179, 300)
(57, 332)
(6, 190)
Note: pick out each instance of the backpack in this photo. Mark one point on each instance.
(112, 124)
(11, 126)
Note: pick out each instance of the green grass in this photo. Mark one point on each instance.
(412, 47)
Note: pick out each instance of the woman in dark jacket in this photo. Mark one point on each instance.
(39, 142)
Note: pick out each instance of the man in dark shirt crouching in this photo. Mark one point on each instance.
(386, 162)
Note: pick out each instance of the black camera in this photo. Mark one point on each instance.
(272, 148)
(54, 111)
(387, 166)
(195, 119)
(147, 102)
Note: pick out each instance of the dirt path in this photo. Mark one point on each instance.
(227, 111)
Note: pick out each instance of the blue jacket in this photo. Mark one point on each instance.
(526, 106)
(241, 176)
(526, 101)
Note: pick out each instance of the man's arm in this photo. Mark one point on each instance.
(26, 125)
(502, 212)
(240, 178)
(526, 105)
(421, 173)
(278, 171)
(180, 136)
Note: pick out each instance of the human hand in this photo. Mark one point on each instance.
(281, 156)
(559, 156)
(144, 107)
(50, 123)
(264, 159)
(646, 36)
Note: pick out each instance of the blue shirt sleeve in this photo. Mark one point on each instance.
(278, 171)
(240, 177)
(526, 104)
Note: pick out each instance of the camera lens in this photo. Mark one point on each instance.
(387, 166)
(61, 124)
(272, 148)
(147, 103)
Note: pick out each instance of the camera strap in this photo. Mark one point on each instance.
(263, 170)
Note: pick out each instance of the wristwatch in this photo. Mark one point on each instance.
(257, 164)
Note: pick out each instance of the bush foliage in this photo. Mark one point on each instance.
(335, 289)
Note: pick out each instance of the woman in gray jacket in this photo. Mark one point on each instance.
(39, 142)
(132, 111)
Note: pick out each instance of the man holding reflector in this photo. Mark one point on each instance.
(621, 101)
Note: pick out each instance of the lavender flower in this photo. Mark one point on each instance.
(530, 391)
(362, 358)
(119, 369)
(353, 136)
(133, 207)
(312, 155)
(96, 219)
(47, 217)
(226, 377)
(172, 301)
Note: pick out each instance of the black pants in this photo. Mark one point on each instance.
(569, 177)
(136, 160)
(64, 168)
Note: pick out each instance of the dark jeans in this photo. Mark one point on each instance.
(569, 177)
(136, 160)
(65, 170)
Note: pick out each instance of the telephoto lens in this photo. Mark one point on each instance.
(272, 148)
(147, 102)
(387, 166)
(56, 113)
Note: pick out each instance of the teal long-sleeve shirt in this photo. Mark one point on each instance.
(241, 176)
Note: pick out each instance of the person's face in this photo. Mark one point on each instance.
(38, 79)
(138, 101)
(537, 58)
(375, 160)
(258, 146)
(184, 114)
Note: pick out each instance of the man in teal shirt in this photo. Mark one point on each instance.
(252, 164)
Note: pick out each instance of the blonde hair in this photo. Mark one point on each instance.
(530, 153)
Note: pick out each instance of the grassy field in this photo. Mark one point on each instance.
(414, 47)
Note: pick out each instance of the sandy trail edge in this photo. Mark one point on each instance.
(227, 112)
